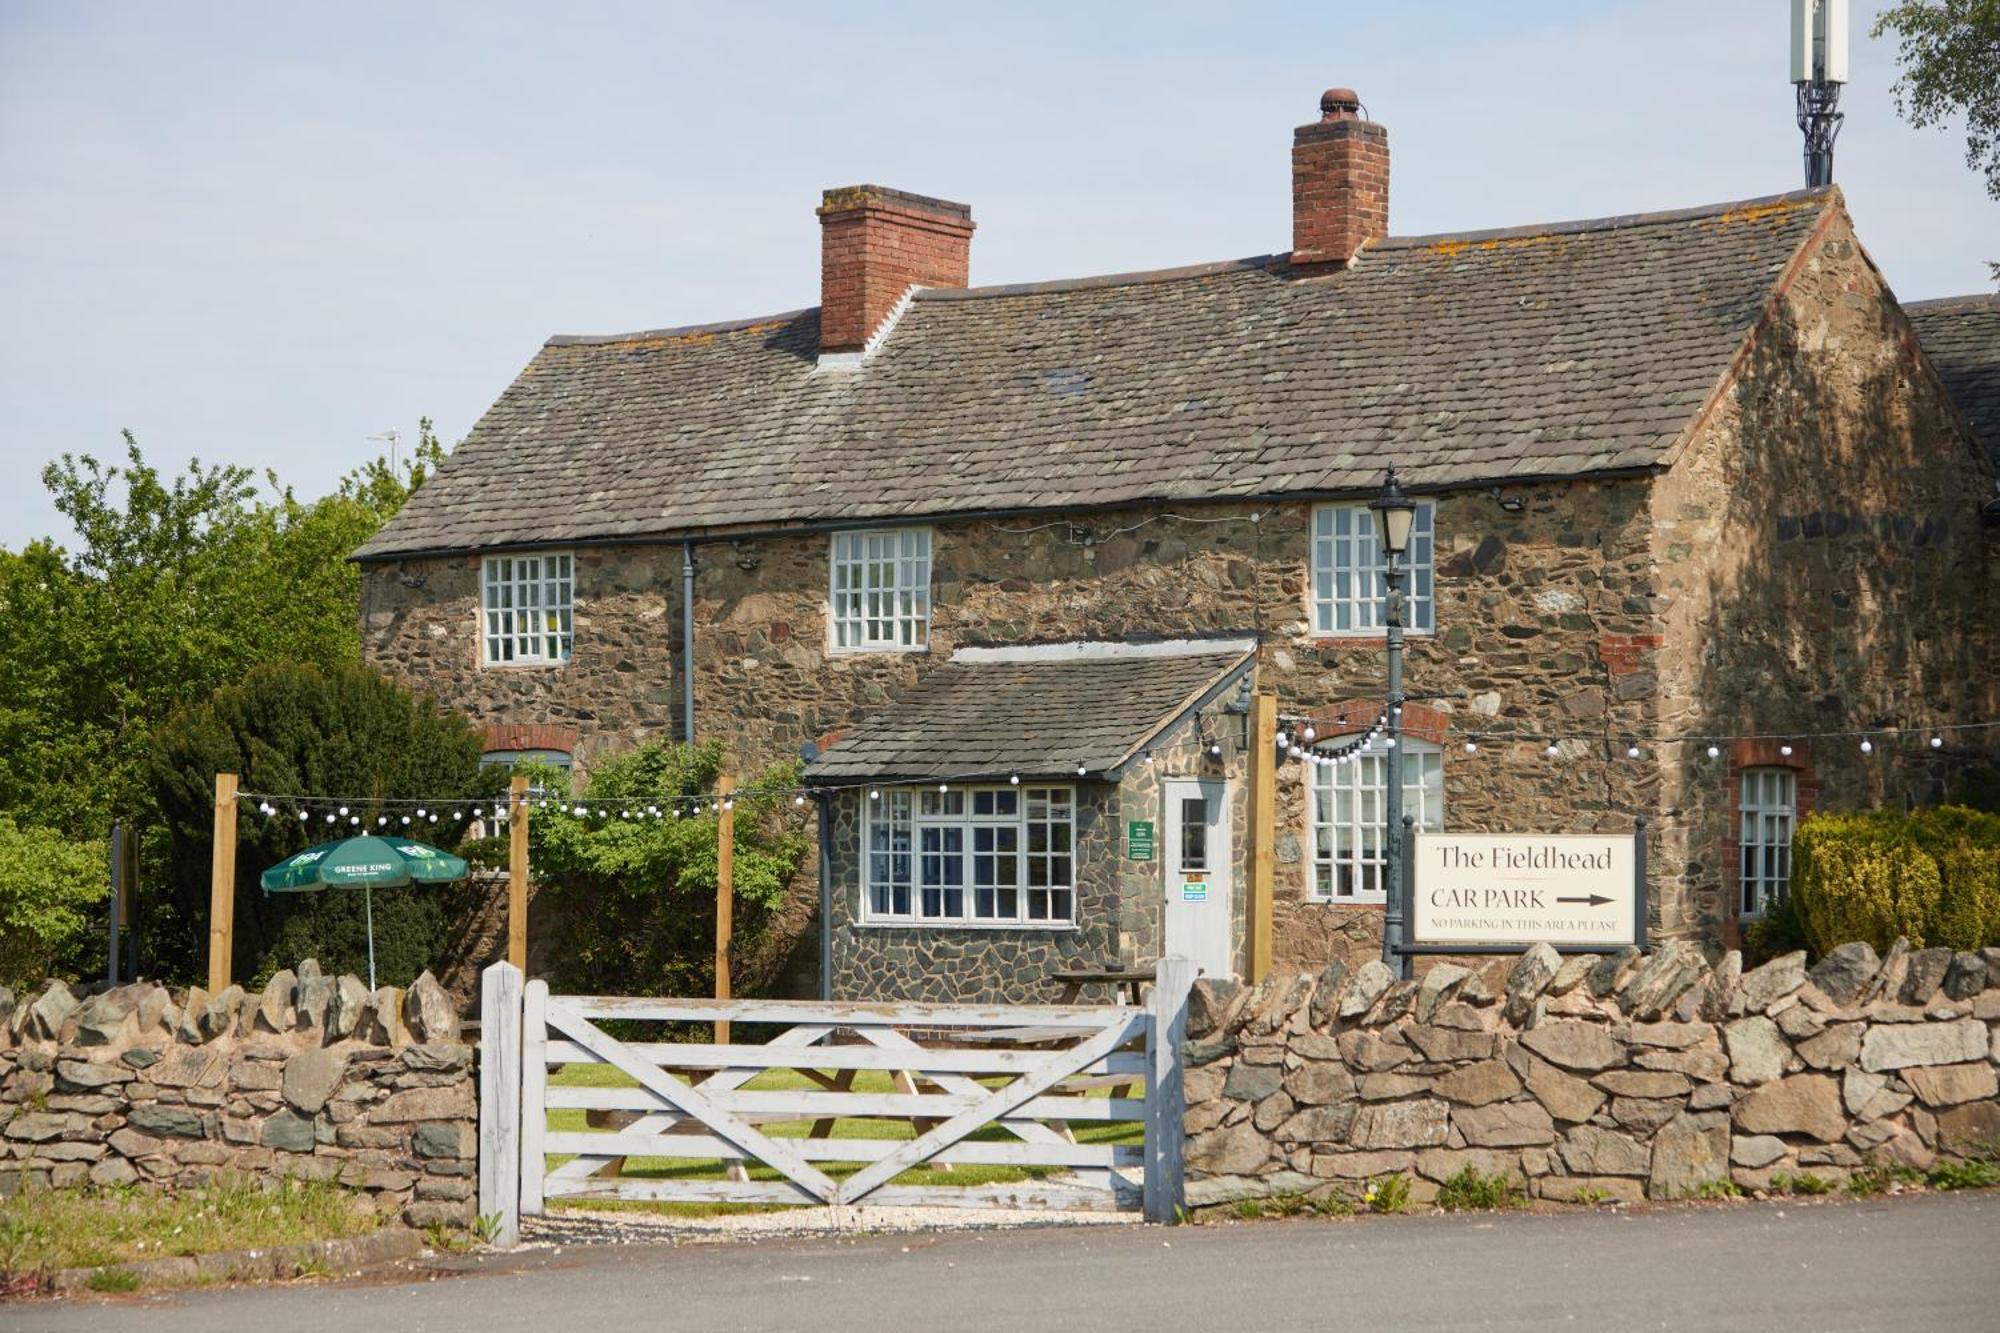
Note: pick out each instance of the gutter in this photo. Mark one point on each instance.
(711, 536)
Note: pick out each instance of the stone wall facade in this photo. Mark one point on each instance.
(1814, 559)
(1821, 565)
(316, 1078)
(1619, 1076)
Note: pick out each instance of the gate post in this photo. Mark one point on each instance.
(500, 1101)
(1166, 1100)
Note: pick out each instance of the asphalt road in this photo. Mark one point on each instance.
(1930, 1262)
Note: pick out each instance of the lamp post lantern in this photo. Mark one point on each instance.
(1396, 512)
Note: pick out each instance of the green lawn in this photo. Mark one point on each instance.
(777, 1080)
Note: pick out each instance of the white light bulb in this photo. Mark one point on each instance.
(1868, 747)
(874, 795)
(1013, 779)
(624, 814)
(1311, 732)
(1215, 748)
(1472, 747)
(944, 787)
(799, 799)
(406, 819)
(1551, 751)
(1631, 752)
(729, 803)
(303, 815)
(1081, 770)
(343, 809)
(1785, 750)
(458, 814)
(420, 812)
(380, 820)
(1714, 752)
(1937, 742)
(434, 819)
(331, 818)
(1391, 742)
(600, 814)
(354, 819)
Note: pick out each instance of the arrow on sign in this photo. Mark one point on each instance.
(1594, 900)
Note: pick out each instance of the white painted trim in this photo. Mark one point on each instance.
(834, 648)
(1103, 650)
(853, 360)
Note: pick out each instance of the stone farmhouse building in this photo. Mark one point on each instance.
(1010, 565)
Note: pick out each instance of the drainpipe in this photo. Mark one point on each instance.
(825, 802)
(687, 642)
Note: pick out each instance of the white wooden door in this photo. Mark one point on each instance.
(1195, 865)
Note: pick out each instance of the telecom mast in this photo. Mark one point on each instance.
(1819, 68)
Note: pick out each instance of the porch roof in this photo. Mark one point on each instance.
(1035, 711)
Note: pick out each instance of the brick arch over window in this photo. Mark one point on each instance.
(1743, 756)
(525, 736)
(1351, 715)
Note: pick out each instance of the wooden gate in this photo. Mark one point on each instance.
(1077, 1106)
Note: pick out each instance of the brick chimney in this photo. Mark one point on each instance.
(876, 242)
(1340, 182)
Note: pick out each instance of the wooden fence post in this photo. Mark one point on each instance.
(534, 1093)
(725, 894)
(1166, 1101)
(517, 873)
(500, 1101)
(1263, 830)
(222, 886)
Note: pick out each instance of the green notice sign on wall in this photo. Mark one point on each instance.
(1139, 839)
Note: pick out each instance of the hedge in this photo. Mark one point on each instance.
(1932, 876)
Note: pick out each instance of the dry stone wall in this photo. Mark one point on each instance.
(1622, 1076)
(314, 1078)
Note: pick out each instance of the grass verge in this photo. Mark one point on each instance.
(45, 1230)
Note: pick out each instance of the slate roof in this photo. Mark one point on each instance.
(1961, 335)
(1036, 712)
(1553, 351)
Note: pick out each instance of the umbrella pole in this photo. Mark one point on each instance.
(368, 904)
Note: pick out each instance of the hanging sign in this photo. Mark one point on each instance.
(1469, 890)
(1139, 839)
(1194, 889)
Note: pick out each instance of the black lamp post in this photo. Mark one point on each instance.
(1397, 514)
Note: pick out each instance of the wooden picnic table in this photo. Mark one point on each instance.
(1124, 981)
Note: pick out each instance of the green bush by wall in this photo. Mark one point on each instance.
(1932, 876)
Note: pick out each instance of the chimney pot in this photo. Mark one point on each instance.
(1339, 104)
(1340, 183)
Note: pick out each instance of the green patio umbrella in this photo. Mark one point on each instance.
(368, 863)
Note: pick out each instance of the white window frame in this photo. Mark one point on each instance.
(1767, 814)
(1347, 802)
(878, 594)
(527, 608)
(925, 853)
(1345, 595)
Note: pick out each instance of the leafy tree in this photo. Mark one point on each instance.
(49, 886)
(1950, 54)
(634, 900)
(306, 730)
(176, 587)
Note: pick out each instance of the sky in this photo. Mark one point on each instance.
(261, 234)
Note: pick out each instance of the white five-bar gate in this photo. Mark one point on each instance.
(974, 1086)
